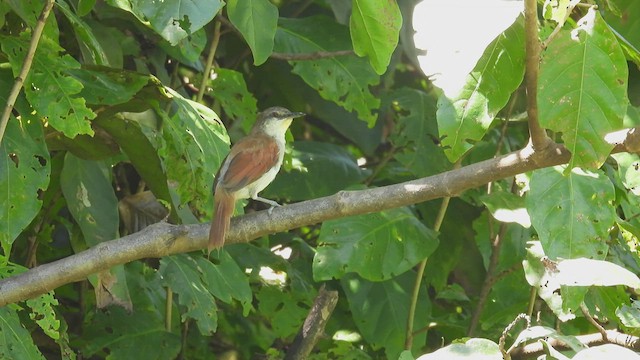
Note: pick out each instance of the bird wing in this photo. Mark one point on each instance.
(248, 160)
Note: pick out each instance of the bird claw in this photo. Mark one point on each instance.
(270, 210)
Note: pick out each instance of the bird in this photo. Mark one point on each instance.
(251, 165)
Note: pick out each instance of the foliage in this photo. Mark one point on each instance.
(120, 124)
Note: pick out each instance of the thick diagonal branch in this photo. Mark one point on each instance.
(163, 239)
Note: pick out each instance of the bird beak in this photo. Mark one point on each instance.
(297, 114)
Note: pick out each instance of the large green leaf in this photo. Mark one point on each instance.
(15, 340)
(286, 311)
(417, 134)
(375, 246)
(183, 275)
(89, 44)
(465, 116)
(51, 92)
(475, 348)
(24, 170)
(174, 20)
(90, 198)
(375, 28)
(381, 309)
(319, 169)
(344, 80)
(257, 20)
(572, 214)
(107, 86)
(583, 89)
(225, 280)
(627, 23)
(194, 144)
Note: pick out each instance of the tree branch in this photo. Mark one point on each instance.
(533, 350)
(163, 239)
(538, 136)
(313, 326)
(26, 66)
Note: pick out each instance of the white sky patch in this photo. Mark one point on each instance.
(454, 34)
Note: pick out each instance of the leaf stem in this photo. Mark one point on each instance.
(207, 69)
(26, 66)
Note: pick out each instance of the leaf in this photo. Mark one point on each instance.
(94, 206)
(606, 351)
(344, 80)
(629, 315)
(417, 133)
(51, 92)
(122, 334)
(107, 86)
(15, 340)
(474, 348)
(194, 146)
(375, 28)
(257, 21)
(583, 89)
(183, 275)
(572, 213)
(24, 171)
(626, 24)
(238, 103)
(588, 272)
(43, 313)
(174, 20)
(629, 171)
(319, 169)
(507, 207)
(285, 310)
(89, 44)
(376, 246)
(380, 321)
(465, 116)
(225, 280)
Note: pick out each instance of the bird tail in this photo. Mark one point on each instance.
(223, 209)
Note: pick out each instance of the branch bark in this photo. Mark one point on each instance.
(164, 239)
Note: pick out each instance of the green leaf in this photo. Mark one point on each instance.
(108, 86)
(629, 171)
(417, 133)
(43, 313)
(583, 89)
(465, 116)
(375, 246)
(319, 169)
(51, 92)
(15, 340)
(121, 333)
(606, 351)
(572, 213)
(92, 203)
(344, 80)
(89, 44)
(183, 275)
(286, 311)
(627, 23)
(381, 321)
(24, 170)
(507, 207)
(257, 21)
(174, 20)
(630, 315)
(475, 348)
(238, 103)
(225, 280)
(375, 28)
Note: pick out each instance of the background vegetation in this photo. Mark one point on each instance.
(126, 109)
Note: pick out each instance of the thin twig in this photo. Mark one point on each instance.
(26, 66)
(538, 137)
(505, 333)
(168, 307)
(207, 68)
(587, 315)
(409, 334)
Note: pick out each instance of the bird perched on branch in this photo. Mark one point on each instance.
(251, 165)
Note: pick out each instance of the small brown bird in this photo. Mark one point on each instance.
(251, 165)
